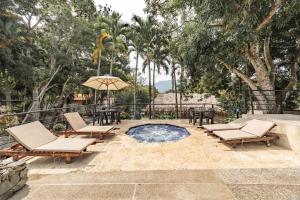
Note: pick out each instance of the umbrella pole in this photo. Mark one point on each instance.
(98, 73)
(108, 98)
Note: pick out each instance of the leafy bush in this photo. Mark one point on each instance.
(125, 115)
(166, 116)
(231, 101)
(59, 127)
(2, 129)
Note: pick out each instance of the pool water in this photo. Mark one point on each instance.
(157, 133)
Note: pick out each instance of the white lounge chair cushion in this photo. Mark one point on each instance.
(75, 120)
(94, 129)
(221, 127)
(31, 135)
(66, 145)
(234, 135)
(258, 127)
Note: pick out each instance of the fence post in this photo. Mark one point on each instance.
(237, 113)
(245, 101)
(281, 102)
(251, 102)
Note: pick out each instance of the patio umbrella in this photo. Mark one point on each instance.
(105, 82)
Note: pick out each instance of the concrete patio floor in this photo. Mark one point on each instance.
(197, 167)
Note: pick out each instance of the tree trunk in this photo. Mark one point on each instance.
(110, 73)
(59, 104)
(7, 92)
(35, 104)
(38, 95)
(181, 87)
(135, 84)
(175, 89)
(268, 102)
(113, 57)
(153, 89)
(98, 74)
(173, 84)
(259, 95)
(150, 96)
(293, 69)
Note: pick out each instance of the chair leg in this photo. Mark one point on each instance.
(15, 158)
(68, 159)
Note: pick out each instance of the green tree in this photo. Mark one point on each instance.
(118, 31)
(137, 45)
(160, 60)
(149, 31)
(237, 35)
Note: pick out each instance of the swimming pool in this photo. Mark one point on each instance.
(153, 133)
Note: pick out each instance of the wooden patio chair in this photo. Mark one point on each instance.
(79, 127)
(34, 139)
(253, 131)
(209, 128)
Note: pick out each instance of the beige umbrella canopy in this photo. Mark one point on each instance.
(105, 83)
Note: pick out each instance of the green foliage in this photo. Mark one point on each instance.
(8, 121)
(256, 40)
(231, 101)
(166, 116)
(59, 127)
(124, 100)
(2, 129)
(39, 37)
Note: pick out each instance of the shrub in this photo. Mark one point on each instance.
(59, 127)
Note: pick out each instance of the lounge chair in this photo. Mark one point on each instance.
(253, 131)
(79, 127)
(34, 139)
(209, 128)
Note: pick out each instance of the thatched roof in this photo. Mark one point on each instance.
(81, 97)
(191, 100)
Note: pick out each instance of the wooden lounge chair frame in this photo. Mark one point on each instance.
(268, 138)
(96, 134)
(210, 133)
(100, 135)
(17, 151)
(34, 139)
(259, 131)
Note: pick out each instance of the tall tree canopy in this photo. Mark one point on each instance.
(46, 49)
(254, 39)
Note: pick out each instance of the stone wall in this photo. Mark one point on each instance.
(13, 176)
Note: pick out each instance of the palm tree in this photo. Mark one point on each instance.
(117, 30)
(175, 61)
(136, 44)
(160, 59)
(148, 31)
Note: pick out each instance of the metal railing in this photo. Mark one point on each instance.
(53, 118)
(278, 101)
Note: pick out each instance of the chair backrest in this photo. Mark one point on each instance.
(75, 120)
(210, 113)
(258, 127)
(191, 112)
(31, 135)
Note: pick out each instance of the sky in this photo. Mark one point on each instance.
(128, 8)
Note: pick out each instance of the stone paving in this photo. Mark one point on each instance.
(197, 167)
(270, 184)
